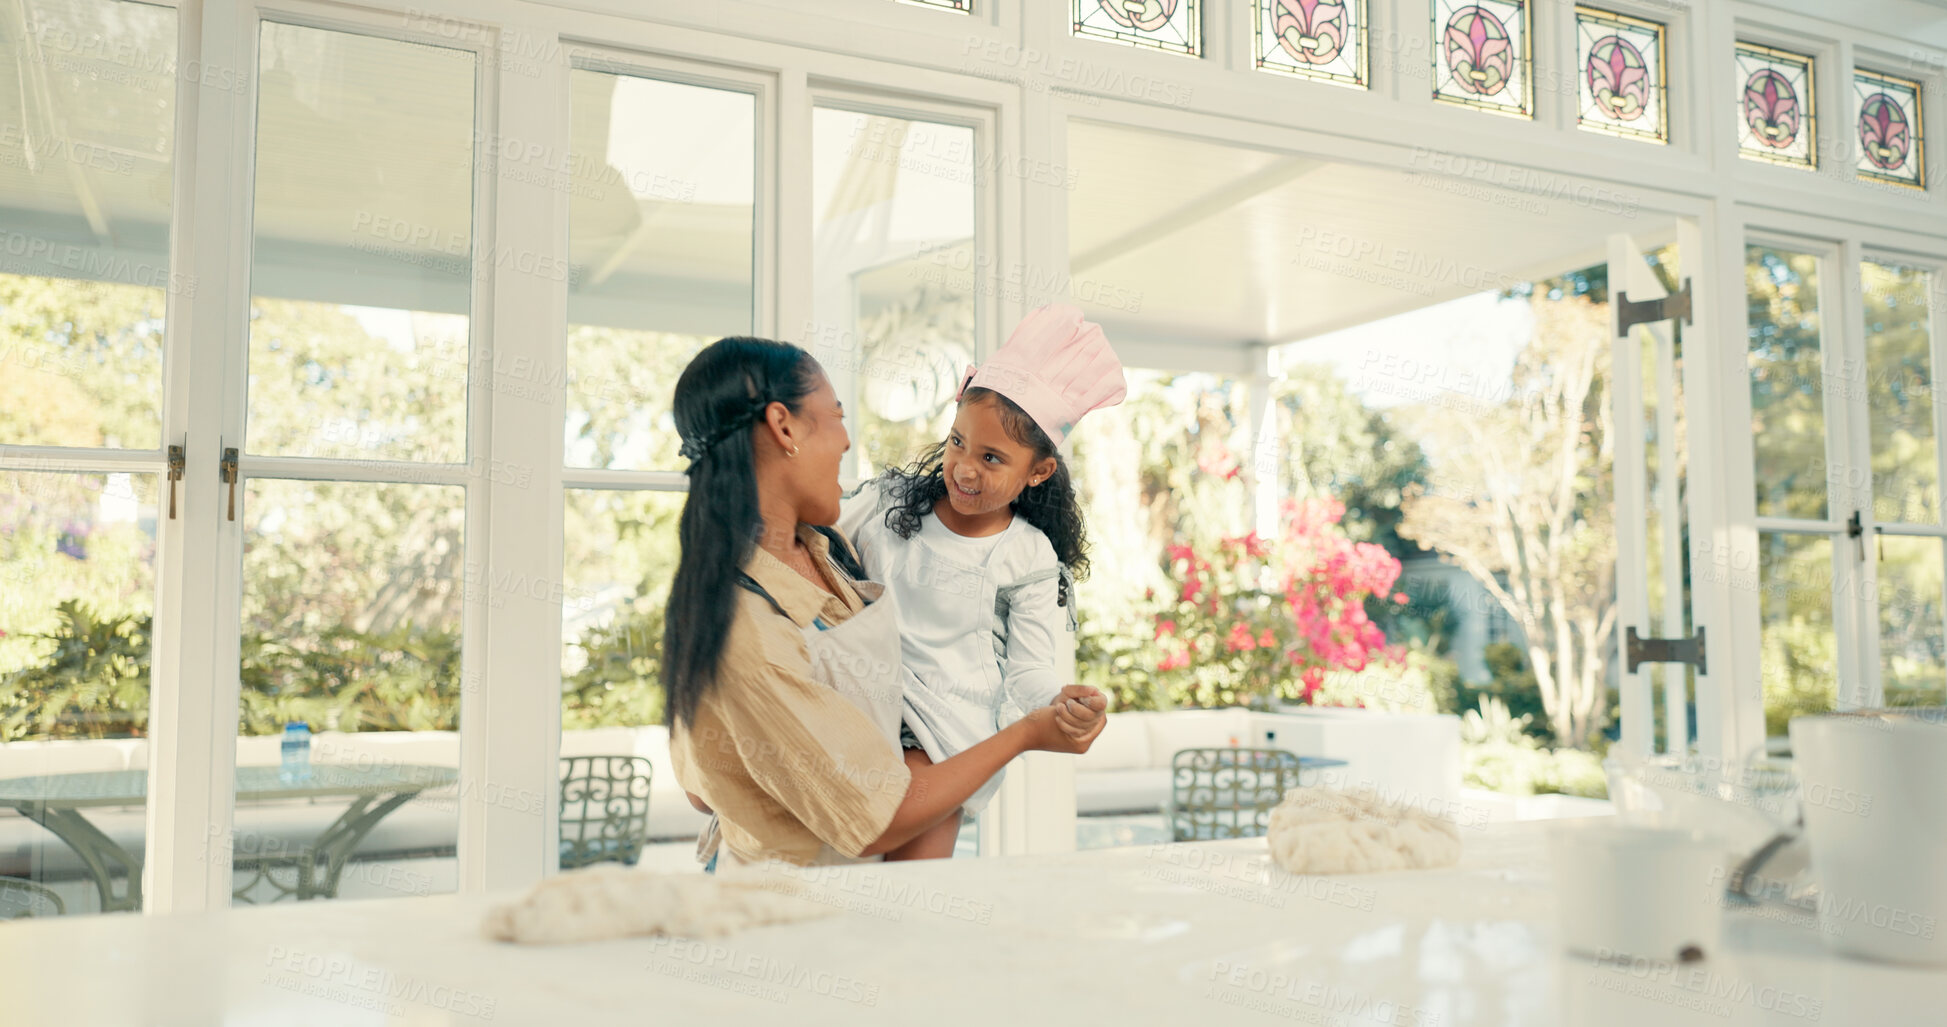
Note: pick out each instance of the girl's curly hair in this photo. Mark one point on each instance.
(1050, 506)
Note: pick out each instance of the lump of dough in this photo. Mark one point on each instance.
(1322, 831)
(616, 902)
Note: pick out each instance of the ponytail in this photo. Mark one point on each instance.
(720, 399)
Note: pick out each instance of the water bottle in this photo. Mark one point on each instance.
(296, 767)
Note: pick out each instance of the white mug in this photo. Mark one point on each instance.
(1873, 788)
(1630, 891)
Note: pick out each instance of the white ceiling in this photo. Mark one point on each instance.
(1195, 241)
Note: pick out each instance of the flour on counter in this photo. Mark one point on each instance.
(1321, 831)
(617, 902)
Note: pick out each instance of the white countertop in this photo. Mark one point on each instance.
(1200, 933)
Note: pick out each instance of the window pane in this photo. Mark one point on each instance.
(1621, 75)
(1321, 42)
(1787, 382)
(352, 599)
(362, 267)
(661, 215)
(895, 275)
(621, 550)
(1912, 621)
(1899, 395)
(1481, 55)
(1799, 661)
(1776, 120)
(1173, 26)
(1892, 143)
(77, 591)
(87, 149)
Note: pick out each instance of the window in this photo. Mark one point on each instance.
(897, 271)
(1481, 56)
(1622, 75)
(1320, 40)
(1892, 146)
(662, 240)
(355, 470)
(1777, 112)
(1172, 26)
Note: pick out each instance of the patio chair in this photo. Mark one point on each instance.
(1227, 792)
(604, 809)
(21, 898)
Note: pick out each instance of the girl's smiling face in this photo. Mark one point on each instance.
(985, 468)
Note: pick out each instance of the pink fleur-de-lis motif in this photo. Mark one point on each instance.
(1312, 31)
(1621, 85)
(1478, 54)
(1883, 132)
(1771, 109)
(1143, 15)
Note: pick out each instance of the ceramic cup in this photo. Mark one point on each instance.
(1630, 891)
(1873, 787)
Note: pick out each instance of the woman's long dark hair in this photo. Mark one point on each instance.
(1050, 506)
(720, 397)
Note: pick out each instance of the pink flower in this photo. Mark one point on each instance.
(1240, 639)
(1192, 589)
(1265, 640)
(1165, 628)
(1173, 661)
(1400, 598)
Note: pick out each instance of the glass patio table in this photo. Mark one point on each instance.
(57, 802)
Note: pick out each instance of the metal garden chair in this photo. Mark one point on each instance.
(604, 809)
(1227, 792)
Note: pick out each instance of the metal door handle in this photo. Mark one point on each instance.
(176, 464)
(229, 469)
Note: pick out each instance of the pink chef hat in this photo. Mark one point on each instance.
(1056, 367)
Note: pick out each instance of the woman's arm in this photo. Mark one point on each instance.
(938, 790)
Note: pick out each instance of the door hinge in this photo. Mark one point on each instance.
(1638, 650)
(1630, 313)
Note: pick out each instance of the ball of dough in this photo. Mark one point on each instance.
(1323, 831)
(616, 902)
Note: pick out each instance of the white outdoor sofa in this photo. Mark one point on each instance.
(1415, 757)
(1412, 757)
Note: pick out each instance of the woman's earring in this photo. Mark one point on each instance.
(793, 451)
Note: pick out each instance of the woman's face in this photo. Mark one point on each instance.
(819, 428)
(985, 469)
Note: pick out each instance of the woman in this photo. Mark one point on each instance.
(781, 671)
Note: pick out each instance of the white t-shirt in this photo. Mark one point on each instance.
(979, 622)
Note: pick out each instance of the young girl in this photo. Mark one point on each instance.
(978, 542)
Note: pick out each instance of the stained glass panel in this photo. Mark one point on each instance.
(952, 5)
(1316, 39)
(1776, 111)
(1170, 25)
(1622, 75)
(1481, 56)
(1891, 148)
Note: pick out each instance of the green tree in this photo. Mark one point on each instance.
(1522, 499)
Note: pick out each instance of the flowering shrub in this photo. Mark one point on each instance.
(1257, 619)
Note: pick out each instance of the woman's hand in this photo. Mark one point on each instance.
(1061, 727)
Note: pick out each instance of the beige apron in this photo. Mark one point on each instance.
(859, 659)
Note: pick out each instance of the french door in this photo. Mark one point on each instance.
(1668, 704)
(1844, 339)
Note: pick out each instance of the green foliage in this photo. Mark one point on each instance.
(1511, 683)
(620, 680)
(92, 680)
(93, 683)
(1501, 755)
(399, 679)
